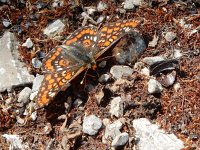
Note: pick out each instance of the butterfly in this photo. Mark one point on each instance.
(79, 51)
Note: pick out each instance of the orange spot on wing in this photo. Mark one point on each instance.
(107, 43)
(104, 29)
(116, 29)
(68, 76)
(51, 81)
(109, 31)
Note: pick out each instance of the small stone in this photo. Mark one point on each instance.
(120, 139)
(145, 71)
(154, 86)
(40, 5)
(170, 36)
(6, 23)
(37, 82)
(177, 86)
(104, 78)
(36, 63)
(24, 95)
(101, 6)
(28, 43)
(33, 95)
(117, 107)
(150, 137)
(34, 115)
(138, 66)
(47, 129)
(77, 102)
(91, 10)
(177, 54)
(154, 42)
(54, 28)
(58, 3)
(138, 2)
(91, 124)
(106, 121)
(112, 130)
(20, 120)
(101, 19)
(129, 4)
(118, 71)
(14, 140)
(152, 60)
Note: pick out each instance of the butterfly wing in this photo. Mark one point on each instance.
(53, 83)
(59, 67)
(85, 36)
(112, 32)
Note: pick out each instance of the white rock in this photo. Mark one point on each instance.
(33, 95)
(91, 124)
(138, 2)
(91, 10)
(101, 6)
(118, 71)
(129, 4)
(36, 63)
(6, 23)
(14, 140)
(20, 120)
(112, 130)
(145, 71)
(154, 86)
(58, 3)
(150, 137)
(177, 54)
(24, 95)
(37, 82)
(100, 19)
(177, 86)
(152, 60)
(170, 36)
(34, 115)
(117, 107)
(13, 72)
(28, 43)
(120, 139)
(54, 28)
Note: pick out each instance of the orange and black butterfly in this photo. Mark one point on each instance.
(78, 52)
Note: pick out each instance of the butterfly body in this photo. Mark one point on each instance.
(80, 51)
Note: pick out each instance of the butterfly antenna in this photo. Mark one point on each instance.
(84, 77)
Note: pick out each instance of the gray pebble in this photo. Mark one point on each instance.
(24, 95)
(28, 43)
(170, 36)
(154, 86)
(36, 63)
(6, 23)
(91, 124)
(118, 71)
(120, 139)
(101, 6)
(117, 107)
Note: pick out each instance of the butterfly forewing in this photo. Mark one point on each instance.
(112, 32)
(86, 36)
